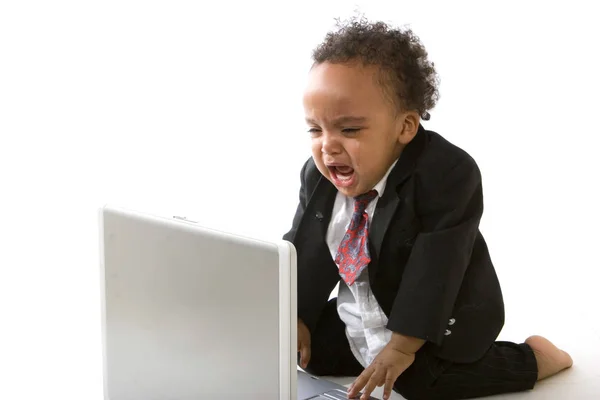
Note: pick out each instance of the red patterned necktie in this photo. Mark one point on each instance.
(353, 254)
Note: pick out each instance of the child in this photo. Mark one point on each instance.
(391, 211)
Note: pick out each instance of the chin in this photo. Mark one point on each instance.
(352, 191)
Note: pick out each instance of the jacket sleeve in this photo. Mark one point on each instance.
(450, 212)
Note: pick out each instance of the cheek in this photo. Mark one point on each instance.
(357, 154)
(315, 147)
(321, 167)
(366, 159)
(317, 156)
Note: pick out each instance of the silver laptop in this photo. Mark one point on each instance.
(190, 313)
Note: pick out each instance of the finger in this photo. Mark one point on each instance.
(371, 385)
(381, 380)
(360, 383)
(304, 355)
(388, 385)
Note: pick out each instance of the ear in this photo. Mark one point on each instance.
(408, 126)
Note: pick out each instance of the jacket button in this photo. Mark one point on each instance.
(448, 332)
(451, 322)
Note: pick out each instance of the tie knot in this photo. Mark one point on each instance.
(361, 201)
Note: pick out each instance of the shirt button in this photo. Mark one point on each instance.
(451, 322)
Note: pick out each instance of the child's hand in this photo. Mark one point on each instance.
(303, 343)
(384, 370)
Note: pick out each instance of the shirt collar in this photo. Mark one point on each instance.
(380, 187)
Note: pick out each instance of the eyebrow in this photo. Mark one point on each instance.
(345, 119)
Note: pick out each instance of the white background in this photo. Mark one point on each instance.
(194, 108)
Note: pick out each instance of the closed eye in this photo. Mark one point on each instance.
(350, 131)
(314, 132)
(345, 131)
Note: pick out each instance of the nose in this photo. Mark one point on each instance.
(330, 143)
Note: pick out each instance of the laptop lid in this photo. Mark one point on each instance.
(191, 313)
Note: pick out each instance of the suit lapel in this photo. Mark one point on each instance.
(389, 202)
(318, 210)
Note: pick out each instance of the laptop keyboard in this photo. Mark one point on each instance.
(332, 395)
(326, 396)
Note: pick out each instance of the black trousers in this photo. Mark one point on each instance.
(506, 367)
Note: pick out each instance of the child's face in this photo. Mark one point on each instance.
(356, 131)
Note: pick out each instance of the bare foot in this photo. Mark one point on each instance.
(550, 359)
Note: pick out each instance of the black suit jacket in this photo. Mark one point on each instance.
(430, 268)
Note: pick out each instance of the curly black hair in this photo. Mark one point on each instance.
(407, 75)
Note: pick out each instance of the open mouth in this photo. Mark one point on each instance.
(342, 175)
